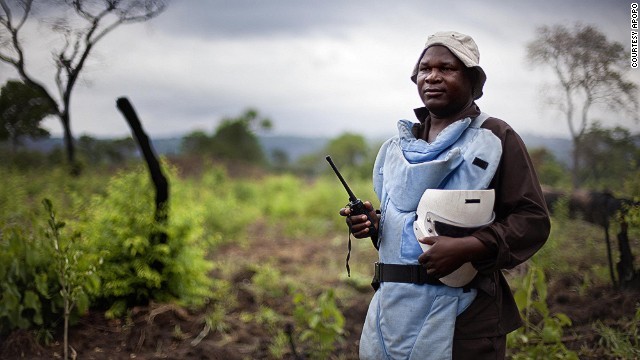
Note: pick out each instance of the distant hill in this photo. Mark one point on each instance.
(167, 146)
(296, 146)
(293, 146)
(561, 148)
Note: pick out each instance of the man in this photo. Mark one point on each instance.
(454, 146)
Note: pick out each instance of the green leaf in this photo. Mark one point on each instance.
(563, 319)
(42, 284)
(314, 321)
(551, 333)
(521, 298)
(541, 284)
(47, 204)
(31, 300)
(9, 304)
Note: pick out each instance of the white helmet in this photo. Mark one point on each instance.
(453, 213)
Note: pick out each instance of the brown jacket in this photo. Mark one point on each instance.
(521, 228)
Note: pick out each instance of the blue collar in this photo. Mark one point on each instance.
(418, 150)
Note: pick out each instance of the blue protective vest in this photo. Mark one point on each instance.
(411, 321)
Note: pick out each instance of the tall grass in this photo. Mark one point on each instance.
(112, 218)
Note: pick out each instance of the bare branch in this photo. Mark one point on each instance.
(25, 14)
(99, 18)
(6, 20)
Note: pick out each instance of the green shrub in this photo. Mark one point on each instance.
(573, 246)
(623, 343)
(267, 283)
(25, 159)
(134, 270)
(541, 336)
(321, 321)
(279, 347)
(306, 208)
(27, 281)
(38, 273)
(225, 206)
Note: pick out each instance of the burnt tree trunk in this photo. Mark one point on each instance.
(609, 255)
(627, 275)
(69, 145)
(155, 170)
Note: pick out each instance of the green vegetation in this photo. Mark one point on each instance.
(22, 108)
(119, 224)
(321, 320)
(541, 338)
(234, 140)
(624, 342)
(101, 254)
(76, 276)
(90, 248)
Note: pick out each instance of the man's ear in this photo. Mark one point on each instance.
(472, 75)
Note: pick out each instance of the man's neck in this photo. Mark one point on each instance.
(444, 120)
(438, 123)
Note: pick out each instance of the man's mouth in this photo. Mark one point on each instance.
(433, 91)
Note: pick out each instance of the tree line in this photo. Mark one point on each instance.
(588, 68)
(611, 157)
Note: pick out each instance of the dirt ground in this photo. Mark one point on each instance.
(164, 331)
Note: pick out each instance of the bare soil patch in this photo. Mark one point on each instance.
(165, 331)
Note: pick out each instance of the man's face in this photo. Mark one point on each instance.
(444, 83)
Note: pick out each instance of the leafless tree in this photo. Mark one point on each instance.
(590, 72)
(88, 22)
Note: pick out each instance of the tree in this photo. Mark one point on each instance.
(590, 72)
(352, 152)
(234, 139)
(22, 108)
(90, 22)
(279, 160)
(352, 149)
(611, 157)
(109, 151)
(196, 142)
(550, 171)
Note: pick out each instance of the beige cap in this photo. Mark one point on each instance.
(464, 48)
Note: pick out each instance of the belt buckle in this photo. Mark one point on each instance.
(375, 283)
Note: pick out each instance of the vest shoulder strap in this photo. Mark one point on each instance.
(477, 122)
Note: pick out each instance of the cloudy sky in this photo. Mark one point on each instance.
(315, 68)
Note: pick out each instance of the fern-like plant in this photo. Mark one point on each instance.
(136, 270)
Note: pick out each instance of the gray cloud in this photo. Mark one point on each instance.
(316, 68)
(256, 18)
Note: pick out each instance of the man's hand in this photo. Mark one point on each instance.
(447, 254)
(359, 224)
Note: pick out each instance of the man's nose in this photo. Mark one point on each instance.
(434, 76)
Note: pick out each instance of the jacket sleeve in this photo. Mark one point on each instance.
(522, 220)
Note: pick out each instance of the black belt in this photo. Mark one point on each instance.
(413, 274)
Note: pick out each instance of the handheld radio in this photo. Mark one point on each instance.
(356, 205)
